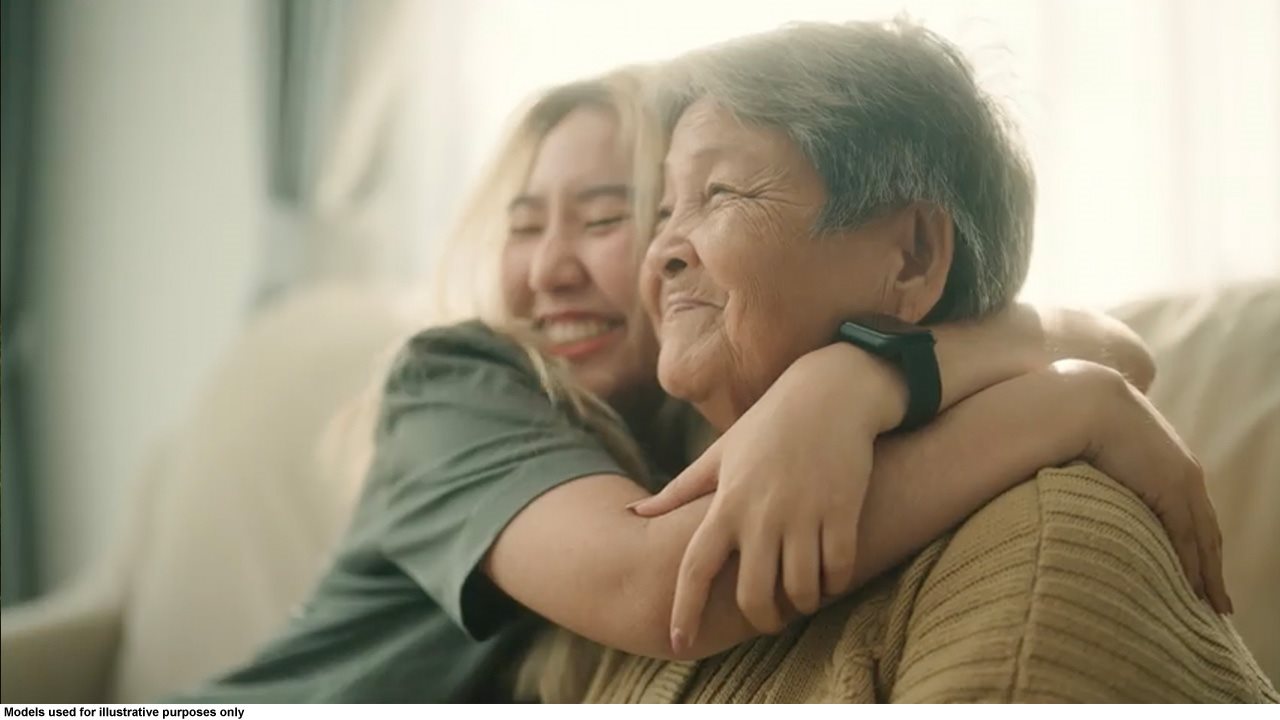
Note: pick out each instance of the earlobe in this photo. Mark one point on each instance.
(927, 247)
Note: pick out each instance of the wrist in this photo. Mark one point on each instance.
(974, 356)
(857, 376)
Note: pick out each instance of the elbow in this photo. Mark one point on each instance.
(1139, 365)
(643, 620)
(1146, 371)
(1131, 356)
(646, 621)
(652, 638)
(649, 629)
(645, 593)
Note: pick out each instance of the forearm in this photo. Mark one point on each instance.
(579, 558)
(926, 482)
(923, 484)
(998, 371)
(610, 576)
(973, 356)
(723, 623)
(920, 484)
(1098, 338)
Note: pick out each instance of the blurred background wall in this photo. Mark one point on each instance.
(142, 243)
(171, 166)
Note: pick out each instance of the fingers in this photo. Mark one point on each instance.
(801, 574)
(708, 550)
(839, 550)
(1180, 525)
(1217, 543)
(1210, 544)
(697, 480)
(758, 583)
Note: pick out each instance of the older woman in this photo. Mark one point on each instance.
(827, 172)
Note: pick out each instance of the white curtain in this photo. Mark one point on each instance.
(336, 91)
(1156, 133)
(1154, 126)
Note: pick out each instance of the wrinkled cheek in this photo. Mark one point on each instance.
(759, 337)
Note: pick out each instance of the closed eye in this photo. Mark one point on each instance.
(718, 189)
(607, 223)
(664, 214)
(525, 231)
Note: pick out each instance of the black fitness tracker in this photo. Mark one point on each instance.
(908, 348)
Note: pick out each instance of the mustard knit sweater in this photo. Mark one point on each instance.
(1063, 589)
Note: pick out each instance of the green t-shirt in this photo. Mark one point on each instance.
(466, 438)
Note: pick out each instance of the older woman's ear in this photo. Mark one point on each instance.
(927, 245)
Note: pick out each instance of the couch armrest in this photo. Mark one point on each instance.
(60, 649)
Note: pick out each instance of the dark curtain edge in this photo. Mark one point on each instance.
(20, 29)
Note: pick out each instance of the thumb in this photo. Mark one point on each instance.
(697, 480)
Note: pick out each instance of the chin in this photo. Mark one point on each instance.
(677, 380)
(599, 381)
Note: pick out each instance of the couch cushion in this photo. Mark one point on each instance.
(245, 517)
(1218, 382)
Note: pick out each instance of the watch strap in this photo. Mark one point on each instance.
(924, 383)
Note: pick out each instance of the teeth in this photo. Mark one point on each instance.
(561, 332)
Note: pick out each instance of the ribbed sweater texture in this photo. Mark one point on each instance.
(1063, 589)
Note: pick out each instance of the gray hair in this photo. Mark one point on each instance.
(888, 113)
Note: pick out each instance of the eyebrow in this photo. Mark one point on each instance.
(709, 152)
(706, 154)
(617, 190)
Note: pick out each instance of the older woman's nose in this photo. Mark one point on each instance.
(672, 267)
(670, 254)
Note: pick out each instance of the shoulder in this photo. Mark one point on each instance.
(466, 352)
(469, 369)
(1067, 526)
(1067, 588)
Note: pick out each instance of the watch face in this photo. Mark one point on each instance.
(889, 325)
(883, 334)
(910, 349)
(863, 336)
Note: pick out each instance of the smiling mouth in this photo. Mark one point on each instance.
(570, 331)
(579, 337)
(681, 304)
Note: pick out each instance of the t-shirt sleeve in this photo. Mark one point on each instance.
(466, 439)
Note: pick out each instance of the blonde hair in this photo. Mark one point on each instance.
(467, 267)
(559, 663)
(466, 285)
(466, 279)
(467, 270)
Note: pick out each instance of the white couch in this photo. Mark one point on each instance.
(234, 519)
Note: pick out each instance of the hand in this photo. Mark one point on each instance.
(790, 477)
(1132, 443)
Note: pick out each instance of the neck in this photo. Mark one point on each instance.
(723, 408)
(659, 432)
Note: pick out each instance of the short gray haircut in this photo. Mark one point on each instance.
(888, 113)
